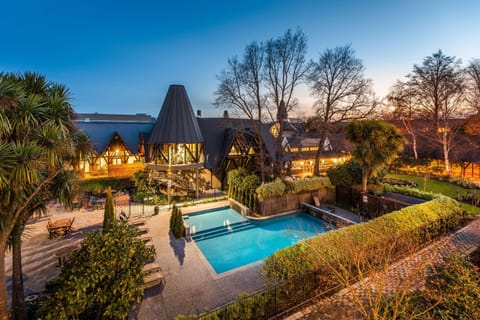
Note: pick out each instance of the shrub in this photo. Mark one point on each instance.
(102, 280)
(412, 192)
(309, 184)
(407, 227)
(452, 291)
(109, 212)
(270, 190)
(280, 187)
(234, 179)
(345, 175)
(176, 222)
(96, 186)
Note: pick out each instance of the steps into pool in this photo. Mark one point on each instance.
(222, 230)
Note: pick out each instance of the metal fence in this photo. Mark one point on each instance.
(273, 302)
(135, 209)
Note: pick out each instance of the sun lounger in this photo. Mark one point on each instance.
(136, 222)
(154, 275)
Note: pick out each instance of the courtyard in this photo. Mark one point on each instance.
(190, 283)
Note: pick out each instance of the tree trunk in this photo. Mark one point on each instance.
(445, 152)
(3, 284)
(18, 298)
(364, 182)
(316, 166)
(414, 146)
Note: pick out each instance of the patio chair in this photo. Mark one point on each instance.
(52, 231)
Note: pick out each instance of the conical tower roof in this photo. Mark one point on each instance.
(176, 122)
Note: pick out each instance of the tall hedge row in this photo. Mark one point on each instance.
(242, 186)
(394, 232)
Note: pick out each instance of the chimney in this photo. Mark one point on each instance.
(199, 113)
(225, 114)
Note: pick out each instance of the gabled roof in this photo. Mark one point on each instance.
(100, 133)
(176, 122)
(219, 134)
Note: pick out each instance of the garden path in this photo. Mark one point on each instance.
(408, 272)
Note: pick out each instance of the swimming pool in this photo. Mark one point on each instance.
(229, 241)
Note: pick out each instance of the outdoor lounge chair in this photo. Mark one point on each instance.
(155, 275)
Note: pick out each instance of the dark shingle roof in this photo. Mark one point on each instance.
(219, 134)
(176, 122)
(100, 133)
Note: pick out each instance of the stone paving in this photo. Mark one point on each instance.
(191, 284)
(407, 273)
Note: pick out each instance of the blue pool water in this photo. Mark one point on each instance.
(229, 241)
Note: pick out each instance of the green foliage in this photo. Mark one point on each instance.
(402, 229)
(109, 212)
(241, 187)
(234, 178)
(279, 187)
(176, 222)
(271, 189)
(408, 191)
(309, 184)
(377, 144)
(140, 180)
(452, 291)
(344, 175)
(102, 280)
(96, 186)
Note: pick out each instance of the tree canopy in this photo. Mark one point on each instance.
(377, 143)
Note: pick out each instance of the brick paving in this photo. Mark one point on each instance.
(407, 274)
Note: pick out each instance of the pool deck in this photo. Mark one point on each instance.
(190, 285)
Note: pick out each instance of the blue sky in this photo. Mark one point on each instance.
(121, 56)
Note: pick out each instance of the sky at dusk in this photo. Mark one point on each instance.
(121, 56)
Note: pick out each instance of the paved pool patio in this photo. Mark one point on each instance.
(191, 284)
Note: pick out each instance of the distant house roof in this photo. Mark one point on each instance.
(100, 117)
(219, 134)
(101, 132)
(176, 122)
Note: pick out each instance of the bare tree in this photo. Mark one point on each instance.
(240, 88)
(473, 74)
(439, 86)
(343, 93)
(285, 67)
(403, 101)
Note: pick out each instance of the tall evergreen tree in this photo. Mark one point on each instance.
(109, 212)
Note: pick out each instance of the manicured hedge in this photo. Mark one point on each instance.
(412, 192)
(394, 232)
(97, 186)
(280, 187)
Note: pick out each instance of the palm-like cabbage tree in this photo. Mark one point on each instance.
(377, 143)
(36, 146)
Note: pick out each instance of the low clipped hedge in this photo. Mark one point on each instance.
(412, 192)
(280, 187)
(97, 186)
(393, 233)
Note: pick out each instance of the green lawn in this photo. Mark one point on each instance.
(435, 186)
